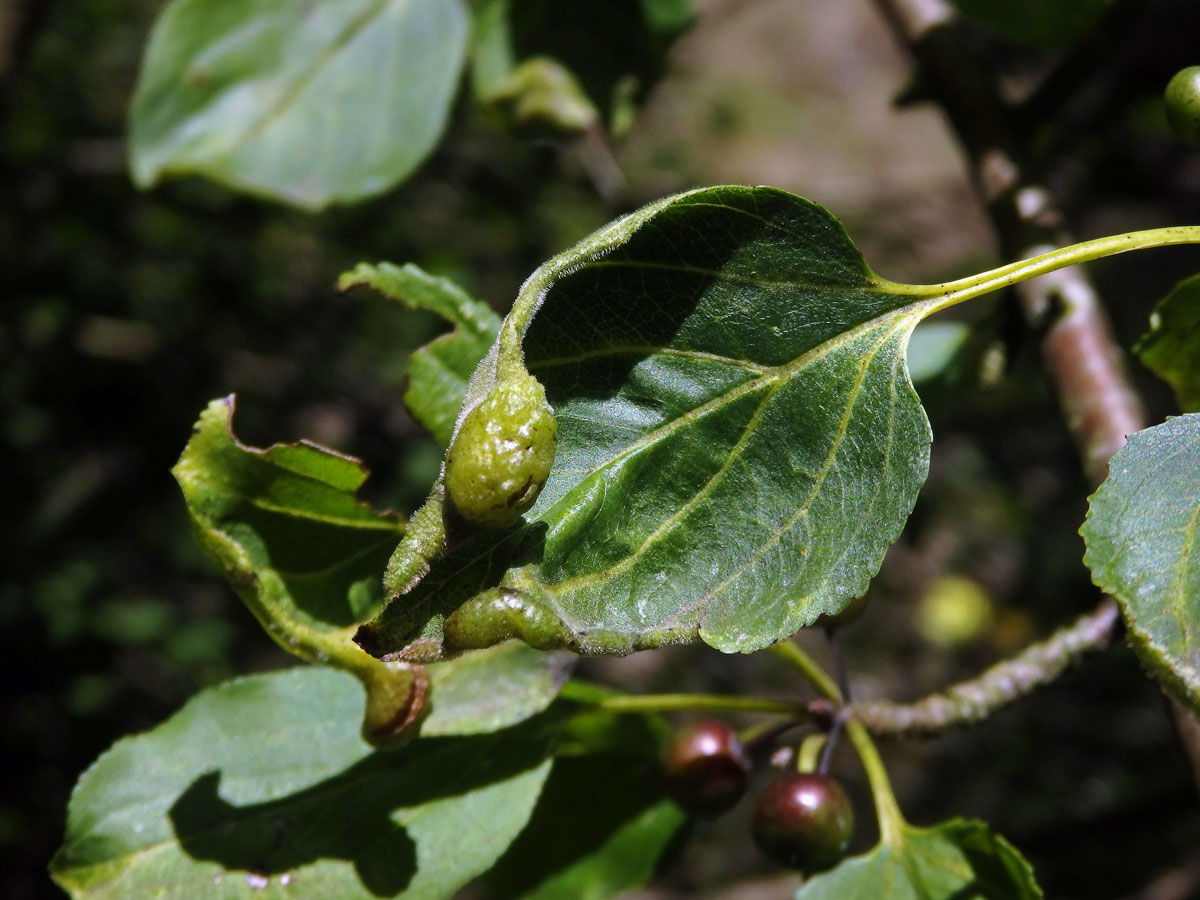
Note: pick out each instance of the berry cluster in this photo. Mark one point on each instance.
(801, 820)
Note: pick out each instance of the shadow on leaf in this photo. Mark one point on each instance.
(361, 815)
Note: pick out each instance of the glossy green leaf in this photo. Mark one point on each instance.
(438, 372)
(308, 103)
(1143, 547)
(738, 439)
(1044, 23)
(262, 788)
(1171, 348)
(957, 860)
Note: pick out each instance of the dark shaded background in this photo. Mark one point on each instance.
(124, 313)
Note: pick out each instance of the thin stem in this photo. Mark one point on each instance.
(701, 702)
(756, 737)
(813, 673)
(839, 663)
(835, 731)
(954, 292)
(973, 701)
(887, 810)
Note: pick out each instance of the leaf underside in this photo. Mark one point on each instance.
(739, 441)
(283, 98)
(1143, 547)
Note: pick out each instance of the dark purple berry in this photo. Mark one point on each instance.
(706, 767)
(803, 821)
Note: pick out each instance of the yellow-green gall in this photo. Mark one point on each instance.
(501, 456)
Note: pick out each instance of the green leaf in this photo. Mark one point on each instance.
(308, 103)
(609, 766)
(738, 439)
(491, 48)
(262, 788)
(438, 372)
(303, 554)
(957, 860)
(933, 347)
(541, 99)
(1171, 348)
(668, 16)
(614, 846)
(607, 47)
(487, 690)
(1043, 23)
(1143, 547)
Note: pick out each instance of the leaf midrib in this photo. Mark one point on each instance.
(292, 93)
(772, 379)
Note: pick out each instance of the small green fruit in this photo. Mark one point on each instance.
(1182, 100)
(804, 821)
(706, 767)
(501, 456)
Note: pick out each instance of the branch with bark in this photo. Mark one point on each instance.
(1082, 359)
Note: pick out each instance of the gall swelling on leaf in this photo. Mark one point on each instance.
(803, 821)
(501, 455)
(706, 767)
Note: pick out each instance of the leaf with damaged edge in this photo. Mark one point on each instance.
(303, 554)
(438, 372)
(282, 98)
(261, 788)
(1143, 547)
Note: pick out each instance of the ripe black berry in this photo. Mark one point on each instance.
(804, 821)
(706, 767)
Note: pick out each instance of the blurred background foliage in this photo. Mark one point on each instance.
(126, 312)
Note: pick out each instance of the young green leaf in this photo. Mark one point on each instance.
(957, 859)
(282, 98)
(261, 787)
(738, 438)
(1143, 547)
(438, 372)
(1171, 348)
